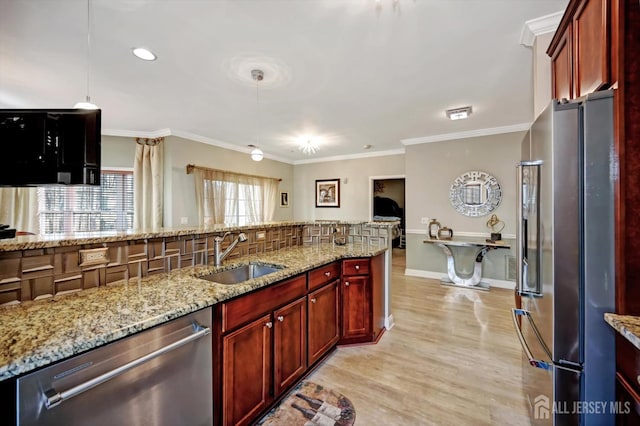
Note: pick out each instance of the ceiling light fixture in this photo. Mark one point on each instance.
(309, 147)
(144, 54)
(459, 113)
(86, 104)
(256, 153)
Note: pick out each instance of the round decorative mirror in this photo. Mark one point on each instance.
(475, 194)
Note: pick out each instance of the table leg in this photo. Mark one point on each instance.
(471, 281)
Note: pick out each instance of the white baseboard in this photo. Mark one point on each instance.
(438, 275)
(389, 322)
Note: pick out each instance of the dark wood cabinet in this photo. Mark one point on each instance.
(562, 68)
(362, 297)
(580, 51)
(246, 375)
(323, 320)
(355, 307)
(271, 337)
(289, 344)
(264, 348)
(627, 382)
(591, 37)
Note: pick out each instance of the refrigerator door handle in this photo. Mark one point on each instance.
(545, 365)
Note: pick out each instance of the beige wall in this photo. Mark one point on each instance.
(541, 73)
(179, 187)
(356, 198)
(117, 152)
(430, 170)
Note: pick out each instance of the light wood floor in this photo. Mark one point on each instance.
(452, 358)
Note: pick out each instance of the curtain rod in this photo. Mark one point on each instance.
(191, 167)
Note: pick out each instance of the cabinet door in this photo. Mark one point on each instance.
(246, 374)
(562, 69)
(355, 307)
(323, 320)
(591, 44)
(290, 344)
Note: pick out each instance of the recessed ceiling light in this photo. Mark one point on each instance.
(144, 54)
(459, 113)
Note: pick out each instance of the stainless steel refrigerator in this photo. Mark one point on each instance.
(565, 252)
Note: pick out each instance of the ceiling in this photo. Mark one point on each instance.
(346, 73)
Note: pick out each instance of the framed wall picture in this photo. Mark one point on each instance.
(328, 193)
(284, 199)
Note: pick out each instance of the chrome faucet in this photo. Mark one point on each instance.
(217, 241)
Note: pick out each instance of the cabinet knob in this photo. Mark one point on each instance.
(280, 318)
(269, 324)
(313, 300)
(327, 274)
(357, 267)
(346, 283)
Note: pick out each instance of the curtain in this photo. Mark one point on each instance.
(19, 209)
(148, 183)
(233, 198)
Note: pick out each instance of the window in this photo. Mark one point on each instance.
(233, 198)
(108, 207)
(242, 202)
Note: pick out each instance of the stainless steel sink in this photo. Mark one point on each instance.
(241, 273)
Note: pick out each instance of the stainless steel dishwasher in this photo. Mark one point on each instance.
(161, 376)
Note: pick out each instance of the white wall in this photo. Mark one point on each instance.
(356, 197)
(541, 73)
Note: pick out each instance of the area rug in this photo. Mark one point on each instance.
(310, 404)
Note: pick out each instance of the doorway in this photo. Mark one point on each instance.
(388, 203)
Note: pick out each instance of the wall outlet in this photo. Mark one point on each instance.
(424, 221)
(184, 220)
(95, 256)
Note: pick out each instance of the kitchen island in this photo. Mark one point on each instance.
(34, 334)
(63, 298)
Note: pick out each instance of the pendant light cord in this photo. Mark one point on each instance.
(88, 48)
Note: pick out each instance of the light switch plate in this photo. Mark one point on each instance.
(424, 221)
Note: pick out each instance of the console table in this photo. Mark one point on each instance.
(474, 279)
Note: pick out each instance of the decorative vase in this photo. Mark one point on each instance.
(445, 233)
(433, 229)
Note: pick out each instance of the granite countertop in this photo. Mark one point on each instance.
(28, 242)
(34, 334)
(627, 325)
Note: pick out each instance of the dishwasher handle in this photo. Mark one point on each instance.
(53, 398)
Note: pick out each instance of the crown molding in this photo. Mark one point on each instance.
(135, 133)
(468, 134)
(542, 25)
(225, 145)
(352, 156)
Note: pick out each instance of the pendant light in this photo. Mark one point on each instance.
(256, 153)
(86, 104)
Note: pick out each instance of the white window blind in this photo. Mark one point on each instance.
(108, 207)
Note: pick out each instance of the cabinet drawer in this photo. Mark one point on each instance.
(324, 274)
(628, 360)
(355, 267)
(251, 306)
